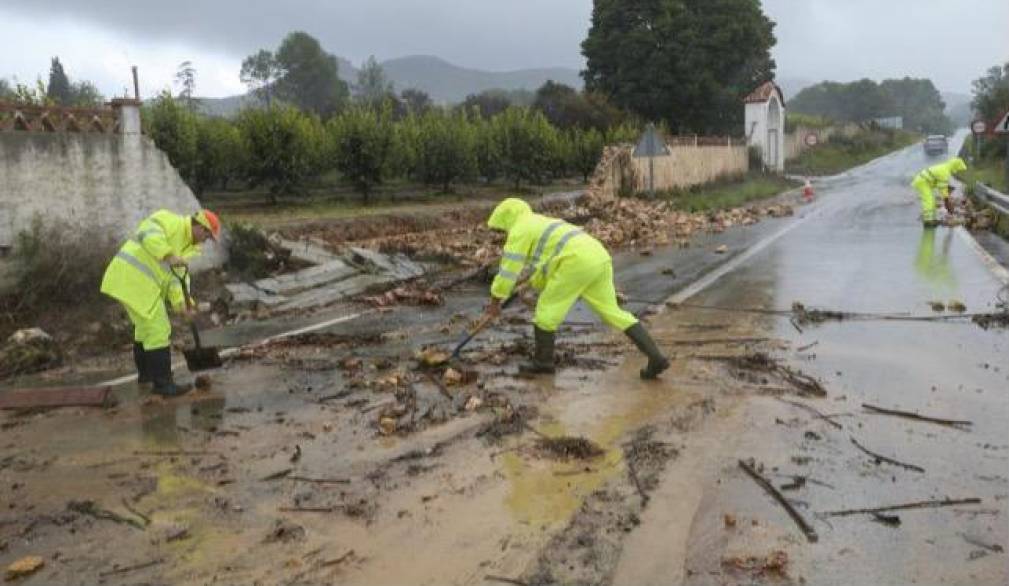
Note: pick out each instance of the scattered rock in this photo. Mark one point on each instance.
(451, 377)
(722, 249)
(202, 382)
(956, 306)
(285, 532)
(27, 351)
(937, 306)
(432, 357)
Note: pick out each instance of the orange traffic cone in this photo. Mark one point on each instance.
(807, 191)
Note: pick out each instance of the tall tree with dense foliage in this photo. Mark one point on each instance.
(299, 72)
(284, 148)
(173, 128)
(919, 103)
(991, 93)
(362, 146)
(527, 145)
(373, 87)
(221, 154)
(687, 62)
(59, 90)
(416, 101)
(447, 149)
(586, 149)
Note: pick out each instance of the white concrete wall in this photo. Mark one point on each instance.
(757, 123)
(686, 166)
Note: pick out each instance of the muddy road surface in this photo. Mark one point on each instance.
(339, 456)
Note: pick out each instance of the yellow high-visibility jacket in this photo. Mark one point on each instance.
(137, 276)
(536, 244)
(937, 176)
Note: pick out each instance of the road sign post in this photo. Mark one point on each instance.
(651, 145)
(978, 127)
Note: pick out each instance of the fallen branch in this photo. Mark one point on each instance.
(309, 509)
(335, 396)
(806, 528)
(147, 520)
(126, 569)
(170, 453)
(929, 504)
(815, 412)
(90, 509)
(915, 416)
(320, 480)
(637, 483)
(277, 475)
(881, 458)
(806, 347)
(493, 578)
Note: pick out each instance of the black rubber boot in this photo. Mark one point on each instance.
(543, 355)
(140, 360)
(656, 361)
(160, 364)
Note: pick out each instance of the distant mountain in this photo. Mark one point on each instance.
(448, 83)
(444, 82)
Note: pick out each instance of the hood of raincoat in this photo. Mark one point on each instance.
(956, 165)
(507, 213)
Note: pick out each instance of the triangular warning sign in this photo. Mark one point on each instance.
(1002, 126)
(651, 144)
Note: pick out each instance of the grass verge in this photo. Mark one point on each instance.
(841, 153)
(729, 193)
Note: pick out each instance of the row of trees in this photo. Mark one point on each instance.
(59, 91)
(991, 101)
(285, 149)
(916, 100)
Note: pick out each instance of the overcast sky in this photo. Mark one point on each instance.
(950, 41)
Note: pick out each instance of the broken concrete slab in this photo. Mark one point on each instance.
(243, 294)
(334, 292)
(308, 250)
(57, 397)
(397, 265)
(317, 276)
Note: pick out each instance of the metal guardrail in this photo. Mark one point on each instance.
(995, 199)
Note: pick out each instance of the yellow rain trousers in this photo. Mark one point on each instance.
(565, 264)
(934, 178)
(138, 278)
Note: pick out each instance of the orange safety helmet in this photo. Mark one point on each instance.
(210, 221)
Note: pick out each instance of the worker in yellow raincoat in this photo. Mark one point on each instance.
(936, 178)
(565, 264)
(141, 278)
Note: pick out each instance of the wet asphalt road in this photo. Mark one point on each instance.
(861, 248)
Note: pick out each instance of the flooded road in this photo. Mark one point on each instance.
(282, 472)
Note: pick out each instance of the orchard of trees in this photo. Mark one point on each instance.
(310, 123)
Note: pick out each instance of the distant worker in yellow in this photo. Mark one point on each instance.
(936, 178)
(141, 278)
(565, 264)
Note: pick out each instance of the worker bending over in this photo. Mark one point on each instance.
(141, 278)
(564, 264)
(935, 178)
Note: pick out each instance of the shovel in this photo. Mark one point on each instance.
(485, 321)
(198, 358)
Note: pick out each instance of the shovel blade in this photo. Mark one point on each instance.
(198, 359)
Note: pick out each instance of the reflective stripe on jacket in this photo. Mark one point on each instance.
(137, 275)
(536, 244)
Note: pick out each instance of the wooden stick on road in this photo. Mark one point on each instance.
(929, 504)
(881, 458)
(915, 416)
(806, 528)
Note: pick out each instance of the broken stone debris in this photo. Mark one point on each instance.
(25, 566)
(332, 279)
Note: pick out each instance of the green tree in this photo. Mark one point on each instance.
(6, 91)
(283, 147)
(687, 62)
(586, 149)
(487, 104)
(447, 149)
(488, 149)
(416, 101)
(222, 154)
(84, 94)
(362, 146)
(527, 143)
(918, 103)
(59, 90)
(991, 93)
(308, 76)
(372, 85)
(856, 101)
(185, 77)
(172, 127)
(260, 72)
